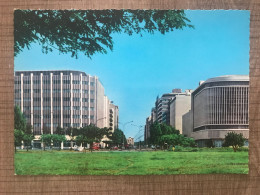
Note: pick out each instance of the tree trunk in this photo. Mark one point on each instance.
(234, 148)
(91, 146)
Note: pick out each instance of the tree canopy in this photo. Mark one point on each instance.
(88, 31)
(162, 134)
(234, 139)
(22, 130)
(118, 138)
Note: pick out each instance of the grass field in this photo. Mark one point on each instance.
(130, 163)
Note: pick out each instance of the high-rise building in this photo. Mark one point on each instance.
(218, 106)
(179, 105)
(67, 98)
(162, 106)
(161, 112)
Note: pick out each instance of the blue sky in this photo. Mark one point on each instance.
(141, 68)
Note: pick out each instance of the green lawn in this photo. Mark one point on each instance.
(130, 163)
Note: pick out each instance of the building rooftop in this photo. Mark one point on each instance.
(228, 78)
(47, 72)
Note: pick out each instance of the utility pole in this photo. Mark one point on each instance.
(124, 129)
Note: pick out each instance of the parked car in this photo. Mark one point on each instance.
(95, 148)
(114, 148)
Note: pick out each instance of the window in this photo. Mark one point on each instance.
(46, 91)
(85, 91)
(66, 81)
(66, 116)
(56, 99)
(84, 116)
(91, 91)
(76, 125)
(56, 81)
(36, 82)
(56, 107)
(76, 90)
(56, 90)
(17, 90)
(91, 116)
(92, 83)
(66, 99)
(46, 116)
(36, 99)
(26, 99)
(56, 116)
(26, 108)
(46, 99)
(36, 116)
(36, 125)
(66, 107)
(36, 91)
(27, 82)
(85, 82)
(84, 108)
(27, 90)
(17, 82)
(76, 116)
(84, 99)
(76, 107)
(76, 82)
(76, 99)
(66, 90)
(46, 82)
(92, 100)
(36, 108)
(46, 108)
(66, 124)
(92, 108)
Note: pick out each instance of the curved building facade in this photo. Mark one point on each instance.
(220, 105)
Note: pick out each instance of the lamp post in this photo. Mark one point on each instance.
(140, 129)
(100, 119)
(124, 129)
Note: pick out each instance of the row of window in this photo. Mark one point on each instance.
(64, 124)
(54, 82)
(59, 108)
(46, 116)
(54, 91)
(47, 99)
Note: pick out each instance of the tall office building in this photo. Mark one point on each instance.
(218, 106)
(178, 106)
(61, 98)
(162, 106)
(161, 112)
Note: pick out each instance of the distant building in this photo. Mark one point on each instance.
(162, 106)
(161, 113)
(130, 141)
(112, 114)
(147, 129)
(179, 105)
(218, 106)
(66, 98)
(187, 124)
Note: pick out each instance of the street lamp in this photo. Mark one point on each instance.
(100, 119)
(124, 129)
